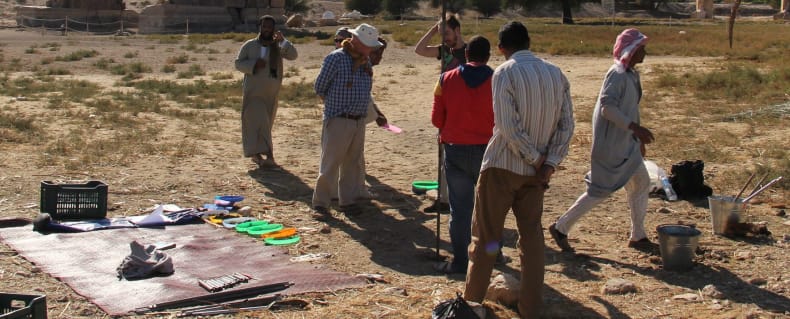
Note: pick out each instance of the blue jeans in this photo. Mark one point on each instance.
(462, 166)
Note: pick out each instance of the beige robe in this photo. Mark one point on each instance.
(259, 99)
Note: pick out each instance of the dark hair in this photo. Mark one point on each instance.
(478, 49)
(384, 42)
(452, 21)
(267, 17)
(514, 36)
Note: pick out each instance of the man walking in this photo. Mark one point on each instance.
(533, 125)
(344, 84)
(618, 146)
(463, 113)
(261, 61)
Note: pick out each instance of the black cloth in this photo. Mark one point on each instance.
(454, 309)
(688, 181)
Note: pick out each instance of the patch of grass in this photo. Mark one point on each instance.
(77, 55)
(732, 82)
(298, 94)
(15, 128)
(130, 68)
(179, 59)
(72, 90)
(31, 50)
(103, 63)
(131, 55)
(168, 68)
(165, 38)
(193, 71)
(198, 94)
(47, 60)
(53, 71)
(221, 76)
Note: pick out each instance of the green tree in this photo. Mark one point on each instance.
(486, 7)
(565, 5)
(296, 6)
(398, 7)
(364, 6)
(455, 6)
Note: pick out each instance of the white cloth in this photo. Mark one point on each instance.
(636, 188)
(533, 115)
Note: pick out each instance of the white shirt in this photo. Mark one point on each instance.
(533, 115)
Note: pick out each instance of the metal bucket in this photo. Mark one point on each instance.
(724, 212)
(678, 244)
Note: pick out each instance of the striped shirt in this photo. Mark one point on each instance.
(533, 115)
(344, 91)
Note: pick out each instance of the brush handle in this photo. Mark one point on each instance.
(762, 189)
(744, 187)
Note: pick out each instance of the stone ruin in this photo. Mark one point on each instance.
(208, 16)
(169, 16)
(80, 15)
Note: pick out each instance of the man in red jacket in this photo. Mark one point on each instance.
(463, 112)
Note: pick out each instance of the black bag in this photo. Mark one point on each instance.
(687, 180)
(454, 309)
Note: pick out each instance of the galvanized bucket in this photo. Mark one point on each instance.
(725, 212)
(678, 244)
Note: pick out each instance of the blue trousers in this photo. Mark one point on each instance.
(462, 166)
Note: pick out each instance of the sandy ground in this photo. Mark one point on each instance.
(393, 237)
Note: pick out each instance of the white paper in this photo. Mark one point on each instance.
(156, 217)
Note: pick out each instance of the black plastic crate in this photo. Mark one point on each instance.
(74, 201)
(16, 306)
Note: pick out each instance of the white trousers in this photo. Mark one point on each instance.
(637, 189)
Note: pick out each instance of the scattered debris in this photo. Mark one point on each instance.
(373, 278)
(396, 291)
(618, 286)
(713, 292)
(737, 229)
(665, 210)
(743, 255)
(690, 297)
(781, 213)
(310, 257)
(504, 289)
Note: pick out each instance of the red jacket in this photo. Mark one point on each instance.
(463, 108)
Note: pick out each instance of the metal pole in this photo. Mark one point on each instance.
(439, 143)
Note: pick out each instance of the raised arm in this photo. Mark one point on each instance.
(423, 49)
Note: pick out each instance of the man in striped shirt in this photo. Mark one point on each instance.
(533, 125)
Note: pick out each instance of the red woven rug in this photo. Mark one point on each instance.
(87, 262)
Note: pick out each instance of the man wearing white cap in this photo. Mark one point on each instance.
(618, 146)
(344, 84)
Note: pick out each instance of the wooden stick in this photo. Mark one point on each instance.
(757, 186)
(744, 187)
(762, 189)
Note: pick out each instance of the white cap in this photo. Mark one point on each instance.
(368, 35)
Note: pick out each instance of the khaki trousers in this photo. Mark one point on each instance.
(498, 191)
(342, 144)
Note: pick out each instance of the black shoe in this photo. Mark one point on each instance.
(441, 208)
(321, 213)
(560, 238)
